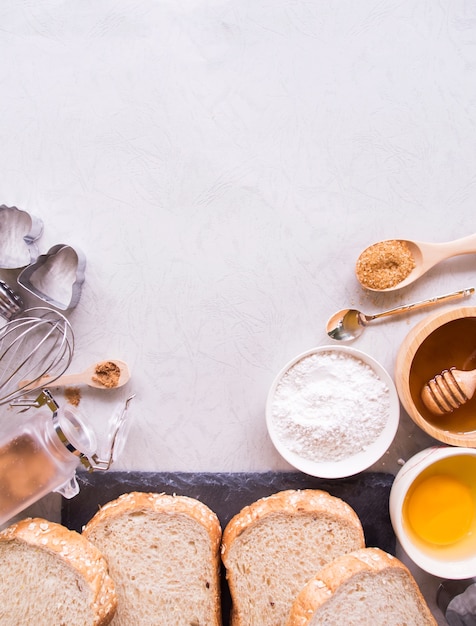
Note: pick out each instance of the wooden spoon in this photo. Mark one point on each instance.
(108, 374)
(426, 255)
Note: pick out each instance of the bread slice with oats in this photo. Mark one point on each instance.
(52, 575)
(163, 553)
(273, 546)
(368, 586)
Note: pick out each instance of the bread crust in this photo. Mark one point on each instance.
(327, 581)
(171, 505)
(160, 503)
(291, 502)
(77, 552)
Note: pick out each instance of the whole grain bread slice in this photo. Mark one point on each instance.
(163, 553)
(51, 575)
(273, 546)
(368, 586)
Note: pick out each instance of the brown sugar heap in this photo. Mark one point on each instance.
(385, 264)
(73, 395)
(107, 374)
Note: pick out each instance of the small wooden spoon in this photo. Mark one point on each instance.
(426, 255)
(449, 390)
(102, 375)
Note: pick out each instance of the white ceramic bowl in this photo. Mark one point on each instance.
(354, 461)
(454, 561)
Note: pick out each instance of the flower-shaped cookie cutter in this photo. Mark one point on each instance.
(56, 277)
(18, 233)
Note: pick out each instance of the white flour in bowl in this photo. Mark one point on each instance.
(329, 406)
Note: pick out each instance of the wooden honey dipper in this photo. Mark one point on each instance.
(449, 390)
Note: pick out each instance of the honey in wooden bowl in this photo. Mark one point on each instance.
(437, 343)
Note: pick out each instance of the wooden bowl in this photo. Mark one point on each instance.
(438, 342)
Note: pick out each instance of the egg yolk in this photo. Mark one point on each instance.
(440, 510)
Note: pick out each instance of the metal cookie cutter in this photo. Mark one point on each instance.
(10, 302)
(18, 233)
(56, 277)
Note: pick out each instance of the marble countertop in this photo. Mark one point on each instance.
(222, 165)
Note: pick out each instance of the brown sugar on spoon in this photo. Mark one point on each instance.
(385, 264)
(107, 374)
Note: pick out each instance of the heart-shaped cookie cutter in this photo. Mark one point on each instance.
(56, 277)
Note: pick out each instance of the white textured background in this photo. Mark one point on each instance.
(222, 165)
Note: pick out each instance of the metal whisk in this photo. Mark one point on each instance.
(38, 343)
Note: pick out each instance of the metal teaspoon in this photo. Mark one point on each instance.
(349, 324)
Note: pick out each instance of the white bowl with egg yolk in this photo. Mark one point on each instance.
(433, 511)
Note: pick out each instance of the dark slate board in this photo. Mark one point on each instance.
(227, 493)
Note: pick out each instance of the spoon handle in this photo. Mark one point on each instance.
(463, 293)
(66, 380)
(433, 253)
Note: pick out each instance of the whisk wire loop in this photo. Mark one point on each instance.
(19, 337)
(37, 344)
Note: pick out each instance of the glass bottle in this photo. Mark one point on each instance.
(42, 452)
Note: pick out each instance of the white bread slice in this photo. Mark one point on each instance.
(273, 546)
(163, 553)
(365, 587)
(51, 575)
